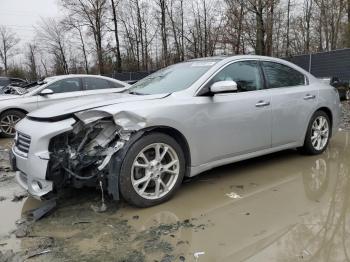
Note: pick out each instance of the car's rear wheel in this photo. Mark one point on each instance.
(318, 134)
(8, 121)
(152, 170)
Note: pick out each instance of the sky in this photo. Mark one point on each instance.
(22, 15)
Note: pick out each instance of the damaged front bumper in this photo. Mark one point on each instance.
(32, 155)
(74, 151)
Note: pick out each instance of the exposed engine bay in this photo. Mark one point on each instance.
(82, 153)
(81, 157)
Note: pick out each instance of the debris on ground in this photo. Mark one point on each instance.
(198, 254)
(81, 222)
(19, 197)
(24, 225)
(39, 253)
(99, 209)
(2, 198)
(233, 195)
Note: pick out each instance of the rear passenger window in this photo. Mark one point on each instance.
(278, 75)
(91, 83)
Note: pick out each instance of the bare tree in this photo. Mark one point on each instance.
(53, 36)
(91, 13)
(162, 4)
(8, 41)
(114, 6)
(74, 24)
(30, 55)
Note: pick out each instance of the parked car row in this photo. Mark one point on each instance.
(52, 90)
(141, 141)
(10, 81)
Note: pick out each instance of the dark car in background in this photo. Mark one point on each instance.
(343, 87)
(6, 81)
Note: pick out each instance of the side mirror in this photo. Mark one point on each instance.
(46, 92)
(223, 87)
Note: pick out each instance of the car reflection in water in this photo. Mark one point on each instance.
(291, 208)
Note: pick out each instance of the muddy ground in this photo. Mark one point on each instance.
(281, 207)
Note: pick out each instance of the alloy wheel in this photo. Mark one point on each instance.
(319, 133)
(8, 123)
(155, 171)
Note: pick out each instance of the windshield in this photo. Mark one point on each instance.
(171, 79)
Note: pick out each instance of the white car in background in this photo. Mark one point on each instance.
(14, 107)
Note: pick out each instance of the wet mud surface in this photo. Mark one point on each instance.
(281, 207)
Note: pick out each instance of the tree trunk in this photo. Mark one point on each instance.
(288, 22)
(115, 22)
(163, 31)
(260, 31)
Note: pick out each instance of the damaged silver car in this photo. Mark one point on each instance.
(180, 121)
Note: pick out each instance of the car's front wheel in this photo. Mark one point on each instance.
(152, 170)
(8, 121)
(318, 134)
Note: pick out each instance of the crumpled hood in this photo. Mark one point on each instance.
(89, 102)
(8, 97)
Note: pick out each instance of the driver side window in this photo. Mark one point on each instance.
(245, 73)
(66, 85)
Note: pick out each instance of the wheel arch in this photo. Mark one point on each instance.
(14, 109)
(179, 137)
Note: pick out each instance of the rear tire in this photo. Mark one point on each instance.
(8, 120)
(318, 134)
(147, 178)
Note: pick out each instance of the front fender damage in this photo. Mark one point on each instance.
(91, 154)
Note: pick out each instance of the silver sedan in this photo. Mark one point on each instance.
(180, 121)
(14, 107)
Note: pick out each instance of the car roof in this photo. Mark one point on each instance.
(75, 75)
(59, 77)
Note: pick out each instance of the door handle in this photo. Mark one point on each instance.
(262, 104)
(309, 97)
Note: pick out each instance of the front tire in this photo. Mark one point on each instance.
(8, 120)
(152, 170)
(318, 134)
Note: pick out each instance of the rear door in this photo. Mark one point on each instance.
(292, 101)
(63, 90)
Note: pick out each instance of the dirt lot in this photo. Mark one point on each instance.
(282, 207)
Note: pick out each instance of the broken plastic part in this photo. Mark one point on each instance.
(91, 116)
(129, 121)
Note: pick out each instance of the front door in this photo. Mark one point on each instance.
(63, 90)
(236, 123)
